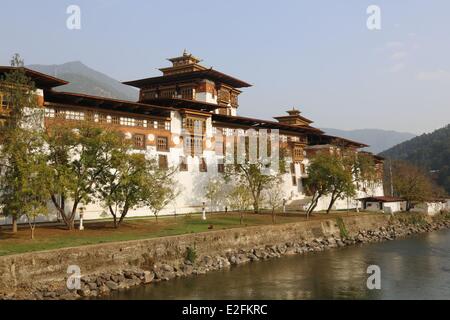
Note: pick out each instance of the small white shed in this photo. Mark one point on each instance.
(384, 204)
(430, 207)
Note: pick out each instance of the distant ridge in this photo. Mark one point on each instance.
(430, 151)
(379, 140)
(88, 81)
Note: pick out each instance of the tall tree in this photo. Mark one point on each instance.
(274, 196)
(19, 133)
(364, 169)
(240, 198)
(25, 178)
(216, 191)
(319, 181)
(254, 174)
(161, 189)
(412, 183)
(341, 182)
(123, 186)
(77, 156)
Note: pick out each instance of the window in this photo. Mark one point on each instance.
(293, 175)
(127, 122)
(74, 115)
(183, 164)
(220, 145)
(139, 141)
(141, 123)
(293, 168)
(4, 103)
(298, 152)
(186, 93)
(168, 94)
(193, 145)
(220, 168)
(102, 118)
(203, 166)
(49, 113)
(195, 125)
(89, 116)
(303, 168)
(167, 125)
(161, 125)
(162, 144)
(162, 162)
(234, 99)
(115, 120)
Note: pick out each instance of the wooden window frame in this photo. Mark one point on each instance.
(162, 144)
(139, 144)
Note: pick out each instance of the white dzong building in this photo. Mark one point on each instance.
(183, 118)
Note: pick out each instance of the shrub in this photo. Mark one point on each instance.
(342, 229)
(191, 254)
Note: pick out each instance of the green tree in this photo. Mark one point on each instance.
(255, 175)
(122, 187)
(363, 168)
(274, 196)
(19, 93)
(341, 183)
(25, 178)
(319, 181)
(216, 191)
(161, 189)
(240, 198)
(19, 139)
(78, 156)
(412, 183)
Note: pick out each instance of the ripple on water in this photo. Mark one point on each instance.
(413, 268)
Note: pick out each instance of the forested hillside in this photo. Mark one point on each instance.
(429, 151)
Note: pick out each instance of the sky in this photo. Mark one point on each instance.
(318, 56)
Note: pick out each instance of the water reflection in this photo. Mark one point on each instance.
(413, 268)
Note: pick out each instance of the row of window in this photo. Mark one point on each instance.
(104, 118)
(162, 143)
(184, 93)
(203, 167)
(195, 125)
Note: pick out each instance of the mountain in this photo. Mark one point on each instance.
(430, 151)
(88, 81)
(379, 140)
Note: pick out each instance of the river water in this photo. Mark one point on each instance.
(417, 267)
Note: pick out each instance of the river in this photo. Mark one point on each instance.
(417, 267)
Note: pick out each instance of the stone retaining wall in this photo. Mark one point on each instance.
(125, 264)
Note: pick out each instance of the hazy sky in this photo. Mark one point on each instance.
(318, 56)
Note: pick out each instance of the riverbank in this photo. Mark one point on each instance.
(112, 267)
